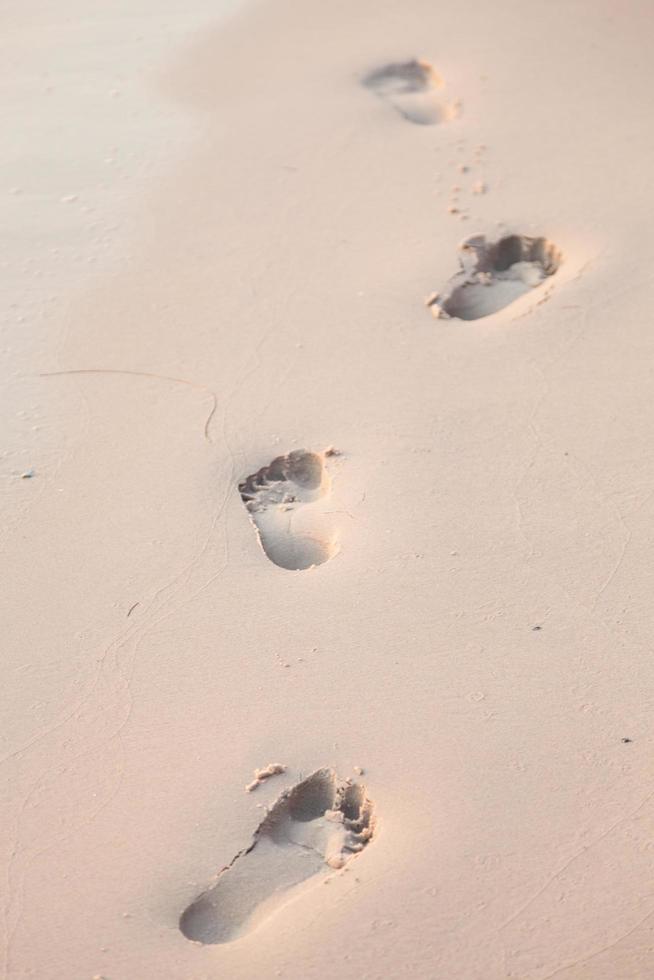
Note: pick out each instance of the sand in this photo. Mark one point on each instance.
(222, 233)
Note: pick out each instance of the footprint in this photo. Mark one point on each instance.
(495, 274)
(413, 88)
(283, 500)
(318, 825)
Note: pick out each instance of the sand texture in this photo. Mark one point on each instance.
(327, 397)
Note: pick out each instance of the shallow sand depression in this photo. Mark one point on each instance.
(264, 512)
(278, 498)
(495, 274)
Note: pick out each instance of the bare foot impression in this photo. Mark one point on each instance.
(413, 88)
(495, 274)
(315, 827)
(284, 501)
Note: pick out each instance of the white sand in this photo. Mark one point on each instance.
(278, 228)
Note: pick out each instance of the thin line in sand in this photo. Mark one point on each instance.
(146, 374)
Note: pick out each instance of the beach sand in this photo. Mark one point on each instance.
(223, 233)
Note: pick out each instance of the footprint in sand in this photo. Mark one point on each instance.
(495, 274)
(414, 89)
(284, 501)
(315, 827)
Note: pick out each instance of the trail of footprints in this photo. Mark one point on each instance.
(321, 823)
(493, 274)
